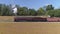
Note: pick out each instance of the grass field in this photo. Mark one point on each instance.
(7, 26)
(6, 18)
(30, 28)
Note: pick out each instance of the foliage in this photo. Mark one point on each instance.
(32, 12)
(22, 11)
(6, 10)
(40, 11)
(51, 13)
(54, 13)
(49, 7)
(57, 13)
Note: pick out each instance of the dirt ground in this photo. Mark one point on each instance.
(30, 28)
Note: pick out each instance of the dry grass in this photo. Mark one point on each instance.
(29, 28)
(6, 18)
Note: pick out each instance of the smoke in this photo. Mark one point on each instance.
(15, 10)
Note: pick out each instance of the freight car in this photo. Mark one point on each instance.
(36, 19)
(53, 19)
(30, 19)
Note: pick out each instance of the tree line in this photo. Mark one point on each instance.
(6, 10)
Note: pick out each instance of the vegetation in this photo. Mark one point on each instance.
(6, 10)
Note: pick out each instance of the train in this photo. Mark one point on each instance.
(36, 19)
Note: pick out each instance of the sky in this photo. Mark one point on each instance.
(35, 4)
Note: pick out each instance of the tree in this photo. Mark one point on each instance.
(8, 11)
(23, 11)
(32, 12)
(49, 7)
(5, 10)
(51, 13)
(0, 9)
(54, 13)
(57, 13)
(40, 11)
